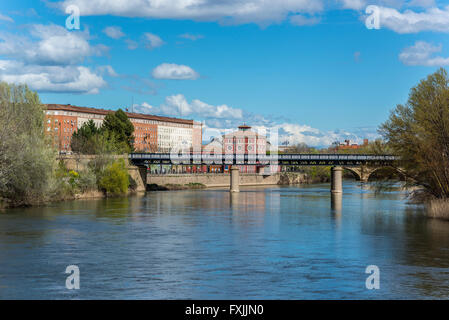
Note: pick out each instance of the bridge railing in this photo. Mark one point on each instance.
(249, 158)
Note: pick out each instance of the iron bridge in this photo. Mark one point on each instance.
(141, 159)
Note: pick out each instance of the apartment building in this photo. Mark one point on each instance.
(151, 133)
(243, 141)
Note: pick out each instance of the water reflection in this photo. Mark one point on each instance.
(217, 244)
(336, 203)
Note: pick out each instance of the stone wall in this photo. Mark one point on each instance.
(223, 180)
(139, 176)
(80, 162)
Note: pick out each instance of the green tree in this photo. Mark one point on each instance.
(120, 130)
(84, 139)
(27, 159)
(115, 178)
(419, 133)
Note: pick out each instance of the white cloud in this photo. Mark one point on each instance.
(409, 21)
(6, 18)
(224, 11)
(301, 20)
(192, 37)
(421, 54)
(153, 41)
(55, 45)
(178, 106)
(174, 72)
(397, 15)
(222, 111)
(293, 133)
(222, 117)
(46, 60)
(114, 32)
(353, 4)
(52, 78)
(107, 70)
(422, 3)
(360, 5)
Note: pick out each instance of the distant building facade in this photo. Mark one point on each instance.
(152, 133)
(243, 141)
(347, 145)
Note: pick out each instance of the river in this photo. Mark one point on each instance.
(263, 243)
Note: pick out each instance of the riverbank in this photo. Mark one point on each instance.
(438, 209)
(88, 195)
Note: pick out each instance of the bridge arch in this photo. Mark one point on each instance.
(363, 173)
(356, 172)
(397, 171)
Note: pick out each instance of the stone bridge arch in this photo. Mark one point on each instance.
(363, 173)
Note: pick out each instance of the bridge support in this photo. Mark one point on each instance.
(235, 179)
(336, 203)
(336, 179)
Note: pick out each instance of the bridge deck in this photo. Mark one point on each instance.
(248, 159)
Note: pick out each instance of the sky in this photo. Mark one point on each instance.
(317, 71)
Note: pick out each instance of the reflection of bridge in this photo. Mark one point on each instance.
(362, 165)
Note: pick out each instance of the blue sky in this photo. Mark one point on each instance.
(311, 69)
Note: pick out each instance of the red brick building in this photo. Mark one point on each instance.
(243, 141)
(151, 133)
(347, 145)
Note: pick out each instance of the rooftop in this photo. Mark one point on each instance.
(131, 115)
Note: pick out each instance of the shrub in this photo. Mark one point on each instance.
(87, 181)
(195, 185)
(114, 179)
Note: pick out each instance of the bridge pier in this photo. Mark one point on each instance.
(336, 203)
(235, 179)
(337, 179)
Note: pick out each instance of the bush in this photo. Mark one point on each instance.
(87, 181)
(195, 185)
(318, 173)
(114, 179)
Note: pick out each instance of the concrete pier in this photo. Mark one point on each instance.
(235, 179)
(336, 203)
(336, 179)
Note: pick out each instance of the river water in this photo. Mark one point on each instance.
(263, 243)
